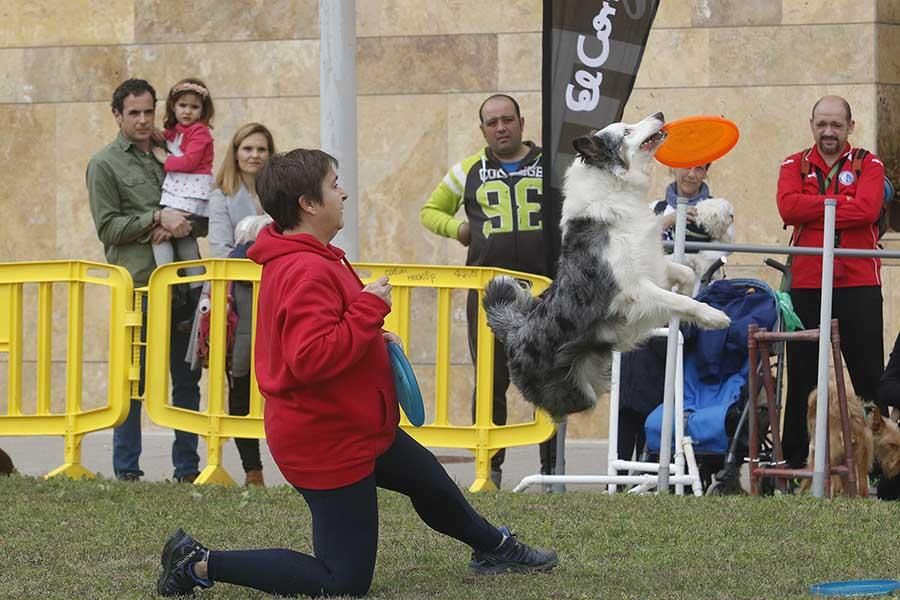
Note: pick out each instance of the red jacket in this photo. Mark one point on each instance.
(321, 362)
(858, 207)
(196, 149)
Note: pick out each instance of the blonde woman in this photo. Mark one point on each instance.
(233, 199)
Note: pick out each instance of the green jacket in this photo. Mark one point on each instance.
(124, 186)
(503, 210)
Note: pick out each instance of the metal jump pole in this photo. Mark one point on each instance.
(665, 443)
(820, 462)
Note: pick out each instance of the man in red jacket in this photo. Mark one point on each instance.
(807, 178)
(331, 410)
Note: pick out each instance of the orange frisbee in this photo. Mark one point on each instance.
(695, 141)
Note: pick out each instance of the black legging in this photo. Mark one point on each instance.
(239, 404)
(345, 529)
(859, 314)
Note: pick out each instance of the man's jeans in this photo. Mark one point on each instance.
(185, 394)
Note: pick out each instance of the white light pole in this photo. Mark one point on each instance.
(337, 107)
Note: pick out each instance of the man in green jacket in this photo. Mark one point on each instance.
(124, 183)
(500, 188)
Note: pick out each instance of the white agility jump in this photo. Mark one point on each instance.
(646, 474)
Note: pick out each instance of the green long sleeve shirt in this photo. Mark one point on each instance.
(124, 186)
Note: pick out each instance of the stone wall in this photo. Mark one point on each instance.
(423, 70)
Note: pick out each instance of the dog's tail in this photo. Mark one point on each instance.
(506, 305)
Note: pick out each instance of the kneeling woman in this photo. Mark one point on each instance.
(331, 410)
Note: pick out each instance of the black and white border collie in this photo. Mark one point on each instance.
(612, 285)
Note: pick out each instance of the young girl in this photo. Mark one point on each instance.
(188, 166)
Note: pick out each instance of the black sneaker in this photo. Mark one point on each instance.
(178, 557)
(512, 557)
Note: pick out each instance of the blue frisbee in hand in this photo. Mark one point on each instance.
(408, 394)
(855, 588)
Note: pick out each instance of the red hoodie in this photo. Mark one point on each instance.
(321, 363)
(858, 206)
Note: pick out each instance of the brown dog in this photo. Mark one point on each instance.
(886, 435)
(860, 436)
(6, 464)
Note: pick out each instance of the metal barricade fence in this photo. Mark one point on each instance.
(138, 344)
(215, 424)
(483, 438)
(75, 421)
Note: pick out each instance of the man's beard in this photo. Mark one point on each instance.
(825, 142)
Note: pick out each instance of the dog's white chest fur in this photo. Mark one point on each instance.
(634, 251)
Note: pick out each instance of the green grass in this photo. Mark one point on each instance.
(102, 539)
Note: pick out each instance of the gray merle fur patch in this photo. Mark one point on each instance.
(549, 339)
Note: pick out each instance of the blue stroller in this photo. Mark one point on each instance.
(716, 369)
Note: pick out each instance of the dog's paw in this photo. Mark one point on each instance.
(712, 318)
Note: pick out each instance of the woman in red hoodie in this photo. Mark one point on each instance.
(331, 410)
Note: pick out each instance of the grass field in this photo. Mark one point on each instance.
(102, 539)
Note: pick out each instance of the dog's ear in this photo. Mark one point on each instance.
(877, 423)
(586, 147)
(598, 150)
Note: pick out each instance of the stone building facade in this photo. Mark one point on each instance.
(423, 69)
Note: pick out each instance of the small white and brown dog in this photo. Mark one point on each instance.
(248, 228)
(715, 217)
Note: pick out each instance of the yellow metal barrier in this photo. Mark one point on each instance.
(75, 422)
(138, 344)
(216, 425)
(483, 437)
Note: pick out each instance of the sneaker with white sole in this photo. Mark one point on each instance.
(512, 556)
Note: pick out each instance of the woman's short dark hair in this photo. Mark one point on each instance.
(131, 87)
(285, 177)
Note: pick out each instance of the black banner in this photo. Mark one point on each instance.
(591, 53)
